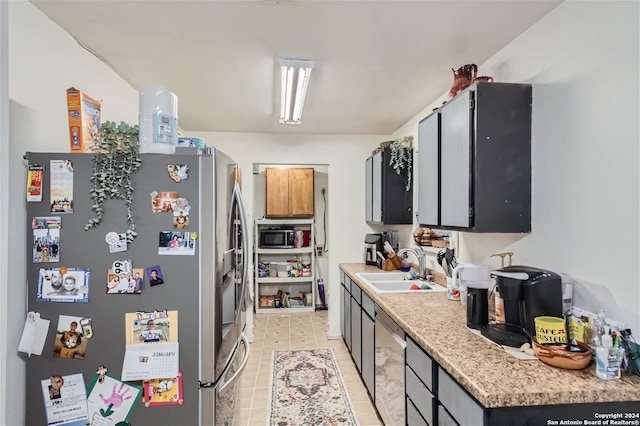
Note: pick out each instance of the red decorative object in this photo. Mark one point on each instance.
(462, 78)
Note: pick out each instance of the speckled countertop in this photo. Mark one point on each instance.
(493, 377)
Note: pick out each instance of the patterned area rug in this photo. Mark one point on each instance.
(307, 389)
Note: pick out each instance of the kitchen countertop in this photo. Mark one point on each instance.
(493, 377)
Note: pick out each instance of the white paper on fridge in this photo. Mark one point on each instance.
(65, 400)
(34, 334)
(150, 361)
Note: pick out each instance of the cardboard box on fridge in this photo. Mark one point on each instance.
(84, 121)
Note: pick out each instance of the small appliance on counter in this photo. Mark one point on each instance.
(374, 244)
(473, 283)
(527, 292)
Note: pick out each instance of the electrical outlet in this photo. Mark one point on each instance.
(320, 250)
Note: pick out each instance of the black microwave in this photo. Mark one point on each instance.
(276, 238)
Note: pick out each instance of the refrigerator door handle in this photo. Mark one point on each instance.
(245, 240)
(222, 384)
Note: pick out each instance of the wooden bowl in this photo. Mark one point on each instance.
(557, 356)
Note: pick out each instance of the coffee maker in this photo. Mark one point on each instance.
(373, 244)
(527, 292)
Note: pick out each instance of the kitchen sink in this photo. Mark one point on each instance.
(382, 276)
(394, 282)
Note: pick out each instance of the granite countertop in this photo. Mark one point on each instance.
(493, 377)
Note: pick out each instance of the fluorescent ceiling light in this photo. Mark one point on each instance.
(295, 79)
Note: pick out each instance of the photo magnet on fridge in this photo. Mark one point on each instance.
(181, 208)
(163, 391)
(63, 285)
(176, 243)
(161, 201)
(69, 342)
(178, 172)
(129, 283)
(154, 275)
(46, 239)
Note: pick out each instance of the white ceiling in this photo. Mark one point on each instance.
(378, 63)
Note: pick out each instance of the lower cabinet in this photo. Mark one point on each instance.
(368, 344)
(436, 398)
(346, 318)
(357, 313)
(420, 384)
(460, 406)
(356, 326)
(342, 298)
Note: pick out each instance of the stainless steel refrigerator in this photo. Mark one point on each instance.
(207, 287)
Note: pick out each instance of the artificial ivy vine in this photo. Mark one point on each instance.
(402, 157)
(113, 168)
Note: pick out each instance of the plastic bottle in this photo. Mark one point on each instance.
(607, 358)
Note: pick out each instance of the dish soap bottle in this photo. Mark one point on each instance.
(607, 358)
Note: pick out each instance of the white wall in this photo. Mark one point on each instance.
(583, 61)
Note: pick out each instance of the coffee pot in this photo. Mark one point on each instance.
(472, 282)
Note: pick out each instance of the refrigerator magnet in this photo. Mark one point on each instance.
(166, 391)
(63, 285)
(161, 201)
(102, 371)
(178, 172)
(69, 342)
(175, 243)
(117, 242)
(61, 191)
(34, 183)
(154, 275)
(124, 283)
(46, 239)
(87, 328)
(181, 208)
(111, 401)
(65, 399)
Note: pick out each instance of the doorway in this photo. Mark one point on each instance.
(319, 245)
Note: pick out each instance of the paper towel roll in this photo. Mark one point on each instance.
(158, 121)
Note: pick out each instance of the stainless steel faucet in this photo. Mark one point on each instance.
(419, 253)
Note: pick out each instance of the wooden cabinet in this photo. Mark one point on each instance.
(474, 161)
(274, 270)
(289, 192)
(387, 200)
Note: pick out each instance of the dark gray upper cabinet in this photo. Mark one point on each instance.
(474, 161)
(387, 201)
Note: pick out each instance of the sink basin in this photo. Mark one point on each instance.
(393, 282)
(382, 276)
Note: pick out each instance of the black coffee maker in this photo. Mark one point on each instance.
(527, 292)
(373, 243)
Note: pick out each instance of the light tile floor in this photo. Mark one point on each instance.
(294, 331)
